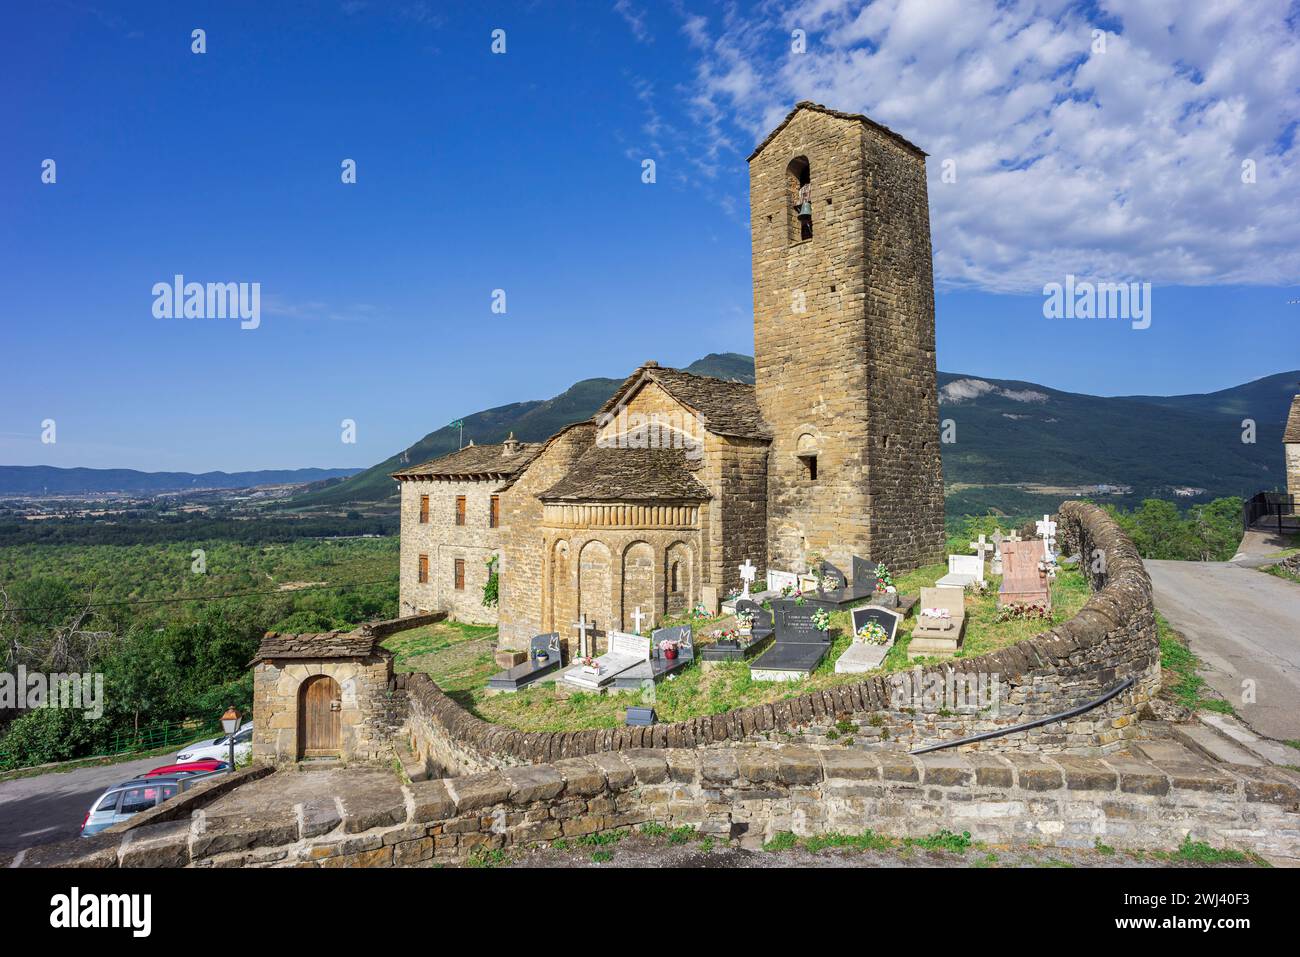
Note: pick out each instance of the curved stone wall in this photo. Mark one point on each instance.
(1112, 638)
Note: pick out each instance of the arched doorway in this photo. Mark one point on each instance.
(319, 704)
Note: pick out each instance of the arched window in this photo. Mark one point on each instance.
(675, 572)
(799, 199)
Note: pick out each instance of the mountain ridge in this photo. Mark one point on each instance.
(56, 480)
(1009, 432)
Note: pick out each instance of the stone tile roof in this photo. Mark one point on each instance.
(1292, 433)
(810, 105)
(358, 643)
(605, 474)
(725, 408)
(476, 461)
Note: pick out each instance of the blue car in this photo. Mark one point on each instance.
(123, 801)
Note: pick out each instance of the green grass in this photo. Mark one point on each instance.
(481, 857)
(459, 658)
(1180, 673)
(1278, 571)
(1198, 852)
(869, 840)
(602, 857)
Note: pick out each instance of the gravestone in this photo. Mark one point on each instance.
(512, 679)
(864, 656)
(1046, 530)
(659, 664)
(777, 580)
(798, 647)
(738, 650)
(1023, 583)
(625, 651)
(963, 570)
(865, 578)
(838, 582)
(996, 566)
(747, 573)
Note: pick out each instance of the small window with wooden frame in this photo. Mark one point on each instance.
(460, 509)
(458, 569)
(422, 576)
(799, 224)
(424, 510)
(494, 511)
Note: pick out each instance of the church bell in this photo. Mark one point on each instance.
(805, 210)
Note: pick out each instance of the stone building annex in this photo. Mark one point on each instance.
(680, 479)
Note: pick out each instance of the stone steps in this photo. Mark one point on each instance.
(1236, 731)
(1214, 746)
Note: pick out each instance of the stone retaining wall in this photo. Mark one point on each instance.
(750, 793)
(1112, 638)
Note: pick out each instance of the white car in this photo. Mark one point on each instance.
(219, 748)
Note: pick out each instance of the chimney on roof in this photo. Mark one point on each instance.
(511, 445)
(650, 365)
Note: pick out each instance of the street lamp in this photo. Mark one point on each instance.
(230, 724)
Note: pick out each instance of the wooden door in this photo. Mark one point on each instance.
(318, 717)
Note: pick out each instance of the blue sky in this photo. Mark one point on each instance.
(522, 172)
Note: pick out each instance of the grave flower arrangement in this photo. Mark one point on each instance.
(937, 617)
(829, 582)
(669, 649)
(884, 580)
(873, 633)
(745, 622)
(699, 614)
(590, 665)
(821, 619)
(727, 635)
(1022, 611)
(799, 598)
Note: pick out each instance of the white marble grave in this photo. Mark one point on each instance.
(625, 651)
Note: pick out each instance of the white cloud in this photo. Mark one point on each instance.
(1125, 164)
(634, 17)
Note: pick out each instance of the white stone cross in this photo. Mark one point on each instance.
(637, 617)
(1047, 532)
(747, 573)
(981, 546)
(582, 625)
(997, 551)
(1013, 536)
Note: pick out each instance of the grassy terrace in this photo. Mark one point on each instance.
(459, 658)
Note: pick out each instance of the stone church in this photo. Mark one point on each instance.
(679, 479)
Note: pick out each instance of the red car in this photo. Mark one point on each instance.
(192, 767)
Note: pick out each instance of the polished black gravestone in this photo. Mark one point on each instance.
(760, 636)
(512, 679)
(799, 646)
(884, 617)
(845, 593)
(659, 665)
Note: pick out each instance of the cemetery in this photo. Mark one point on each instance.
(765, 647)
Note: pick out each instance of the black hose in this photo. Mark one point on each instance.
(1122, 686)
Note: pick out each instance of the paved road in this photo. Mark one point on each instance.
(1243, 624)
(51, 807)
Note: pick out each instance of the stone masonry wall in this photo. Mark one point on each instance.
(1112, 638)
(443, 541)
(1293, 470)
(522, 579)
(904, 470)
(365, 722)
(749, 793)
(844, 348)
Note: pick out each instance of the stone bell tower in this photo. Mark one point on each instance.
(844, 342)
